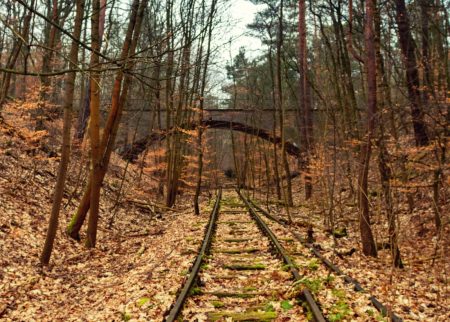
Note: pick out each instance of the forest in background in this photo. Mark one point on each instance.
(340, 123)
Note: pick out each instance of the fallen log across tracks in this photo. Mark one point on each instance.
(242, 273)
(382, 309)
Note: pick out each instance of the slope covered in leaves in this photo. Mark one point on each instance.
(134, 272)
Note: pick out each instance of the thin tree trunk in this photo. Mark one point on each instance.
(305, 112)
(50, 35)
(368, 243)
(202, 98)
(408, 46)
(94, 128)
(84, 112)
(65, 149)
(274, 126)
(384, 103)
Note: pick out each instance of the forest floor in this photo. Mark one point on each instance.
(418, 292)
(134, 272)
(143, 257)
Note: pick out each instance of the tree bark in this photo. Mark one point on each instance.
(202, 99)
(384, 102)
(94, 128)
(408, 47)
(305, 113)
(65, 149)
(368, 243)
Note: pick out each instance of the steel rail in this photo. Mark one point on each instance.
(193, 274)
(357, 286)
(315, 310)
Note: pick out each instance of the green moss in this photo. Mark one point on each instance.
(217, 304)
(142, 301)
(236, 240)
(244, 316)
(195, 291)
(243, 267)
(250, 288)
(234, 295)
(71, 224)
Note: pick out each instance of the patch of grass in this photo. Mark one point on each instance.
(287, 267)
(329, 279)
(269, 307)
(126, 316)
(286, 305)
(313, 264)
(314, 285)
(380, 317)
(339, 311)
(338, 293)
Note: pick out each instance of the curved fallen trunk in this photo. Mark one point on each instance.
(132, 152)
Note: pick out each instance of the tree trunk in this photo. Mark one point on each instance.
(94, 128)
(65, 149)
(274, 126)
(384, 103)
(408, 46)
(202, 98)
(305, 113)
(114, 116)
(279, 90)
(50, 43)
(368, 243)
(84, 112)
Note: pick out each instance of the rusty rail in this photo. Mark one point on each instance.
(314, 307)
(357, 286)
(193, 274)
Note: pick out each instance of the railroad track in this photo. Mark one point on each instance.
(333, 289)
(242, 273)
